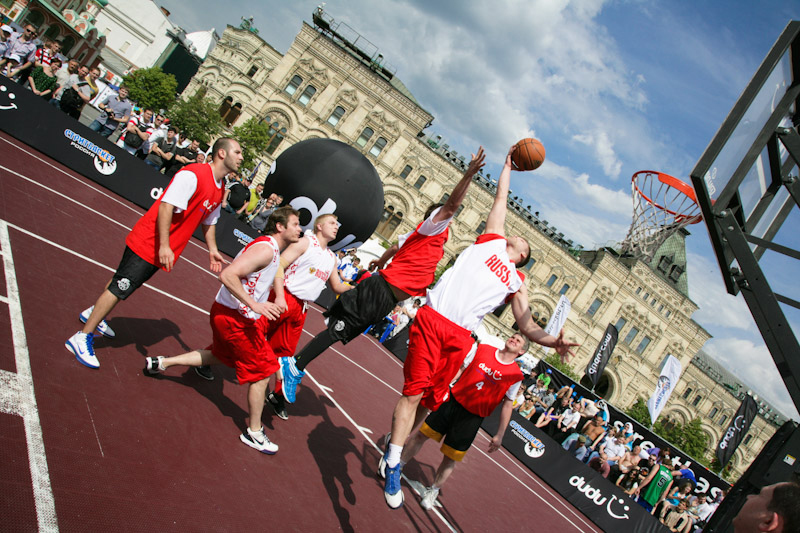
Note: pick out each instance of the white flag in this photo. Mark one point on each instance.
(666, 382)
(558, 319)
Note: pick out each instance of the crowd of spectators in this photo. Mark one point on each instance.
(583, 428)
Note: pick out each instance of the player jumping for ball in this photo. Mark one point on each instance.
(483, 277)
(489, 376)
(306, 267)
(410, 273)
(192, 198)
(239, 321)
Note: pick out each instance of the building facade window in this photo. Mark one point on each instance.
(252, 71)
(747, 440)
(406, 171)
(378, 147)
(594, 307)
(336, 116)
(480, 228)
(552, 279)
(564, 289)
(364, 137)
(389, 221)
(308, 92)
(277, 132)
(643, 344)
(697, 400)
(675, 272)
(293, 85)
(420, 182)
(687, 392)
(620, 324)
(722, 420)
(631, 335)
(713, 413)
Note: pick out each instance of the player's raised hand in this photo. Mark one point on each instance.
(562, 347)
(477, 162)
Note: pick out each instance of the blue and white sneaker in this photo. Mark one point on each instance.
(382, 462)
(82, 347)
(103, 328)
(259, 441)
(392, 491)
(291, 378)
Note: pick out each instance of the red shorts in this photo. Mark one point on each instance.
(240, 343)
(284, 333)
(436, 350)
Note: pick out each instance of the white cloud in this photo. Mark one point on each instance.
(604, 151)
(752, 363)
(707, 290)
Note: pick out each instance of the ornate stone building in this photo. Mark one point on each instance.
(333, 83)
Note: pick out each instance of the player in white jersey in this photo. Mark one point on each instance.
(306, 267)
(482, 278)
(239, 321)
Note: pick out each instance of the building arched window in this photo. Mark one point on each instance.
(390, 219)
(52, 33)
(713, 413)
(67, 44)
(232, 114)
(336, 116)
(308, 92)
(364, 137)
(225, 106)
(34, 17)
(294, 83)
(277, 132)
(378, 147)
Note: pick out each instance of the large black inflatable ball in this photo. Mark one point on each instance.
(320, 176)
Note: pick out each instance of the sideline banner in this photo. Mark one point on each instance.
(601, 501)
(32, 120)
(558, 319)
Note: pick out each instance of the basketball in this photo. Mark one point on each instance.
(529, 154)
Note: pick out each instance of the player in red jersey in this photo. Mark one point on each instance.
(409, 274)
(239, 321)
(191, 199)
(489, 377)
(482, 278)
(306, 267)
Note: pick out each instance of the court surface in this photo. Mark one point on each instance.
(112, 449)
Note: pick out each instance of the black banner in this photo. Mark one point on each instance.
(707, 482)
(601, 501)
(737, 430)
(601, 355)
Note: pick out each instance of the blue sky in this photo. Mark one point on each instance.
(610, 87)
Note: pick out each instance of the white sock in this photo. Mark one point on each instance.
(393, 457)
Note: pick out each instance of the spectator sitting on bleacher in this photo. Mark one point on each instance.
(163, 150)
(183, 156)
(553, 413)
(236, 196)
(262, 213)
(678, 519)
(137, 131)
(252, 202)
(43, 81)
(594, 430)
(629, 482)
(348, 270)
(599, 464)
(537, 390)
(116, 110)
(576, 445)
(546, 401)
(527, 408)
(545, 377)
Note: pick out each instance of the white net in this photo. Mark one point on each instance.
(661, 206)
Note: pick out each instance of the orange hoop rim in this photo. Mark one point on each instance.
(676, 184)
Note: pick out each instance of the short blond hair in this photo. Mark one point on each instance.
(322, 218)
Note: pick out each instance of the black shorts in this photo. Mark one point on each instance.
(457, 425)
(132, 273)
(357, 309)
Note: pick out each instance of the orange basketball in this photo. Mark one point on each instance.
(529, 154)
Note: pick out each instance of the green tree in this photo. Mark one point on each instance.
(639, 412)
(197, 117)
(151, 88)
(253, 136)
(554, 360)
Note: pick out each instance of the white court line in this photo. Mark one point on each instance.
(43, 498)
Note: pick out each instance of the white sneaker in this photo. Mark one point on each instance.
(154, 365)
(103, 328)
(429, 498)
(259, 441)
(82, 347)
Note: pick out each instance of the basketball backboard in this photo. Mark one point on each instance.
(747, 185)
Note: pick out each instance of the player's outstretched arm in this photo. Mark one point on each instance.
(252, 260)
(216, 259)
(166, 257)
(505, 418)
(460, 190)
(382, 260)
(495, 222)
(529, 328)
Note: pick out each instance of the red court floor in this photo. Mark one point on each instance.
(111, 449)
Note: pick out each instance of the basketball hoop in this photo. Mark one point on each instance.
(662, 205)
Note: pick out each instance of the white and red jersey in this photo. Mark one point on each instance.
(197, 205)
(413, 267)
(481, 280)
(306, 277)
(257, 284)
(485, 381)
